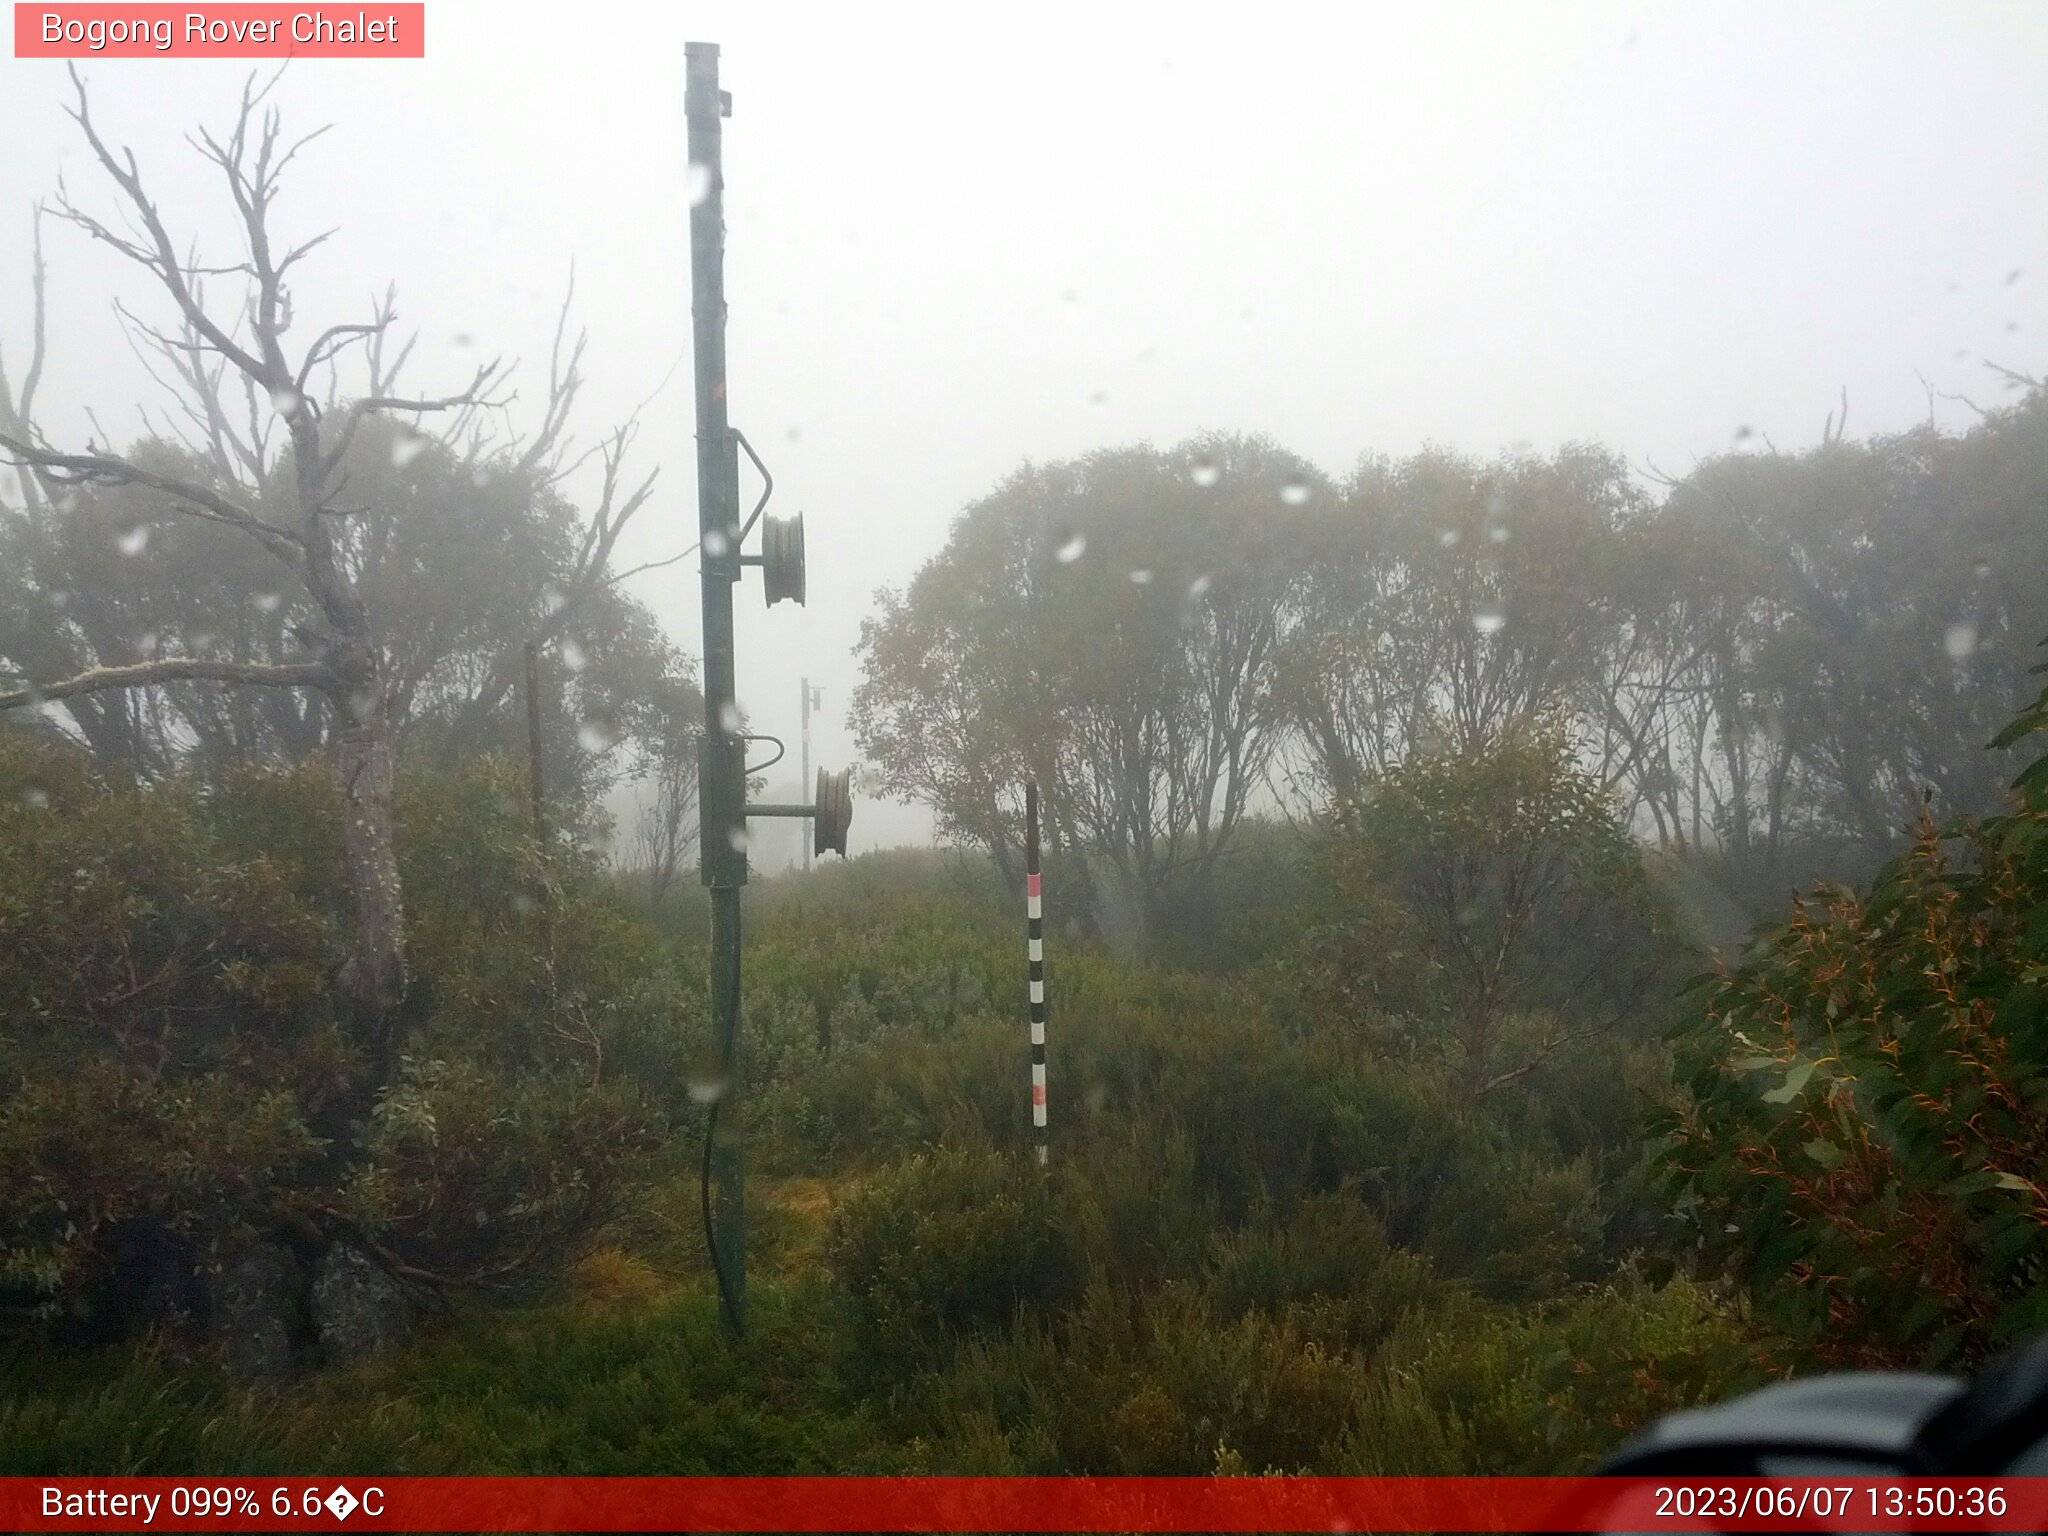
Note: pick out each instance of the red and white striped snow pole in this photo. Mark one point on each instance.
(1035, 933)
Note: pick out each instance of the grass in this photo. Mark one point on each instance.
(629, 1371)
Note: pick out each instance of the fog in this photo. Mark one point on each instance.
(960, 241)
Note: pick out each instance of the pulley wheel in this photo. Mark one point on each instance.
(834, 807)
(782, 558)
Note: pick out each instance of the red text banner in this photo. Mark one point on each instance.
(886, 1504)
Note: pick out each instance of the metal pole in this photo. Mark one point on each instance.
(722, 764)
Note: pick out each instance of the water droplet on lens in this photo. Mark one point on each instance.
(286, 401)
(134, 541)
(708, 1083)
(554, 597)
(268, 602)
(1489, 618)
(1960, 640)
(1199, 587)
(1294, 492)
(1983, 569)
(598, 734)
(697, 182)
(574, 657)
(407, 446)
(34, 798)
(716, 543)
(1205, 472)
(1744, 433)
(730, 720)
(737, 837)
(1072, 549)
(1448, 539)
(1498, 533)
(1141, 578)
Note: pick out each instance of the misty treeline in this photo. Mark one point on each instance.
(1767, 663)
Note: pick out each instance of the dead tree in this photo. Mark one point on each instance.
(217, 358)
(665, 830)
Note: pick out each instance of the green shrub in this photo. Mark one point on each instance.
(480, 1176)
(174, 1079)
(949, 1243)
(1489, 911)
(163, 1048)
(1865, 1119)
(1146, 1384)
(1328, 1263)
(1467, 1391)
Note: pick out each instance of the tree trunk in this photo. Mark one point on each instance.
(373, 978)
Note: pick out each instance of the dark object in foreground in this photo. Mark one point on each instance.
(1863, 1423)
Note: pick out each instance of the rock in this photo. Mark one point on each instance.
(359, 1310)
(257, 1312)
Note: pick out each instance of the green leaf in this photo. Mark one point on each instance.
(1977, 1182)
(1826, 1153)
(1795, 1080)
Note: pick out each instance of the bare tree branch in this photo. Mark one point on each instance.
(18, 417)
(564, 382)
(173, 669)
(330, 343)
(474, 396)
(159, 256)
(652, 565)
(195, 500)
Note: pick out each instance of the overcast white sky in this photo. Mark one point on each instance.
(966, 236)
